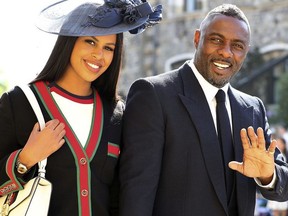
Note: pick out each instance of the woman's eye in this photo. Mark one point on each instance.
(109, 48)
(90, 42)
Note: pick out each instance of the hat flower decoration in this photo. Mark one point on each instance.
(86, 18)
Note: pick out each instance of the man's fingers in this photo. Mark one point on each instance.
(244, 139)
(272, 147)
(253, 137)
(261, 139)
(237, 166)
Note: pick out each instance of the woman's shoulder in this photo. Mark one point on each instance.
(13, 95)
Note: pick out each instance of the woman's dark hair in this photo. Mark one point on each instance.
(59, 58)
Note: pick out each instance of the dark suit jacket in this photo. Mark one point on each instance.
(17, 120)
(171, 162)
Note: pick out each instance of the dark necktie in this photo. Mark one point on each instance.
(225, 139)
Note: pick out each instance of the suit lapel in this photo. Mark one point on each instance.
(196, 104)
(242, 117)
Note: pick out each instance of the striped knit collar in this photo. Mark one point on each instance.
(68, 95)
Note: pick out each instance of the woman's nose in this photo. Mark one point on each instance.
(98, 54)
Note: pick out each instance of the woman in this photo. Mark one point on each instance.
(78, 97)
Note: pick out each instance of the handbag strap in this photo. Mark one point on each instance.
(36, 108)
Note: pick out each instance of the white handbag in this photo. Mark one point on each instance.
(34, 199)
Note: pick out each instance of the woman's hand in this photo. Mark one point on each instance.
(41, 144)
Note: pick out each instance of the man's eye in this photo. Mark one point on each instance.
(216, 40)
(239, 46)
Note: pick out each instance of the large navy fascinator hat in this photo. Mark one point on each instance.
(96, 18)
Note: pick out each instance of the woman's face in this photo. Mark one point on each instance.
(90, 58)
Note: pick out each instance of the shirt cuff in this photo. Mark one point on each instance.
(270, 185)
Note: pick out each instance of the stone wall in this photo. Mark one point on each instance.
(148, 53)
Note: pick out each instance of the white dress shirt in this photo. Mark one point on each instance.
(210, 92)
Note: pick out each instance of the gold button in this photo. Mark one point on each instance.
(83, 161)
(84, 192)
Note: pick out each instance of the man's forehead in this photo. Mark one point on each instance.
(226, 24)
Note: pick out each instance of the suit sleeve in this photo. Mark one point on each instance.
(280, 191)
(141, 155)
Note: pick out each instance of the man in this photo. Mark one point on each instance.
(172, 162)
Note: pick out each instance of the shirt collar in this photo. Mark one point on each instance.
(209, 90)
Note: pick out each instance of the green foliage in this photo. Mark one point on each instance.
(3, 83)
(3, 88)
(283, 100)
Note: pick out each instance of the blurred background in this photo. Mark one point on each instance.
(169, 44)
(24, 50)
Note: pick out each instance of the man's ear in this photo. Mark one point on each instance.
(196, 38)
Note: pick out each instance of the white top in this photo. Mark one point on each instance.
(79, 116)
